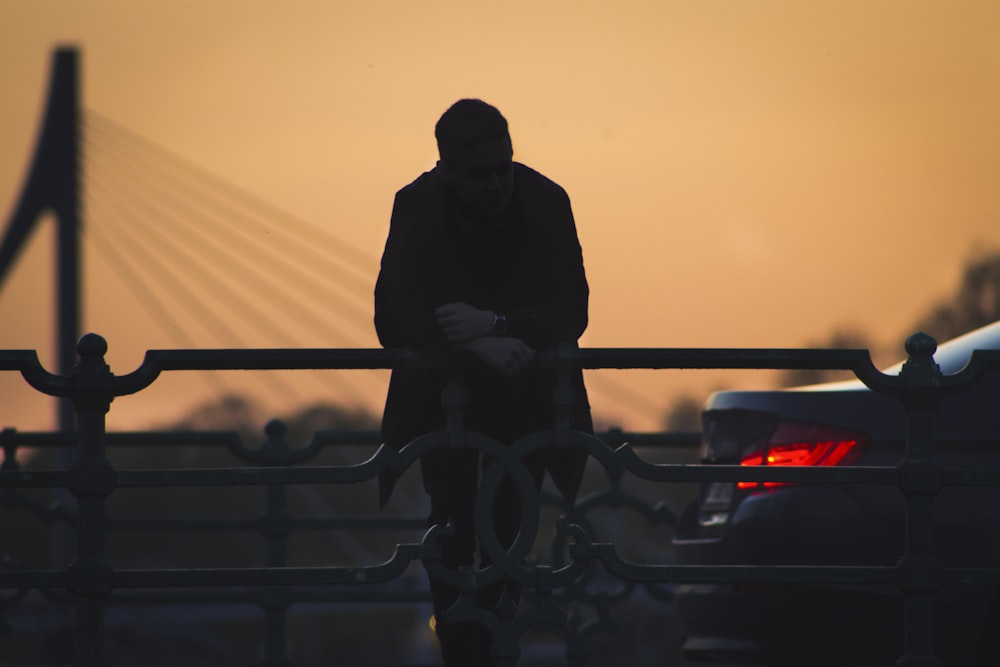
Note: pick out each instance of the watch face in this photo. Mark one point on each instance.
(500, 324)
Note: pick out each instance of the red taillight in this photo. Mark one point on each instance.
(798, 444)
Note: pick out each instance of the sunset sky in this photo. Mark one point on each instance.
(743, 174)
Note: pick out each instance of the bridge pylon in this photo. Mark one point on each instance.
(53, 185)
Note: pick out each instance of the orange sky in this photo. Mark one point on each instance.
(744, 174)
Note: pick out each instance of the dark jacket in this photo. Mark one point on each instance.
(531, 271)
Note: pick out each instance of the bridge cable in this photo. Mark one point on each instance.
(254, 245)
(157, 219)
(306, 237)
(138, 154)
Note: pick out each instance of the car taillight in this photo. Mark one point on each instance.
(800, 444)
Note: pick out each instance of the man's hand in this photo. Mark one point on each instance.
(507, 356)
(461, 322)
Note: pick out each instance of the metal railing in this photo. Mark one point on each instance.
(93, 583)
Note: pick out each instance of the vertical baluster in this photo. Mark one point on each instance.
(92, 479)
(920, 574)
(275, 527)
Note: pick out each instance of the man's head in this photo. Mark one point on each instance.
(476, 156)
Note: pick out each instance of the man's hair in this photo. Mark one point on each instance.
(467, 123)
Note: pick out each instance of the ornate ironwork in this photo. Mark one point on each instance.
(92, 582)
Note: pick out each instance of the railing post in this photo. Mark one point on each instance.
(920, 572)
(8, 444)
(92, 479)
(276, 525)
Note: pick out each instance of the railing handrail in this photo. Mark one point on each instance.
(92, 386)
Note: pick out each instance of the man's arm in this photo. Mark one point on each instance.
(470, 329)
(401, 317)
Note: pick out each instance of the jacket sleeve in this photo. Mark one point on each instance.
(560, 313)
(402, 319)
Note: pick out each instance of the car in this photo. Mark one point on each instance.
(751, 523)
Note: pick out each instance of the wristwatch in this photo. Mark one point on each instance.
(499, 324)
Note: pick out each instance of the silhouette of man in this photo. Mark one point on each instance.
(482, 260)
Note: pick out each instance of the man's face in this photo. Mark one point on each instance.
(483, 179)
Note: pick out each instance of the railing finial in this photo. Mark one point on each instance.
(91, 346)
(921, 345)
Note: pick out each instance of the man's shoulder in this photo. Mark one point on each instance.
(427, 183)
(534, 184)
(425, 198)
(524, 173)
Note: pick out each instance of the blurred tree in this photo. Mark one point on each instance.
(684, 414)
(840, 339)
(975, 303)
(245, 420)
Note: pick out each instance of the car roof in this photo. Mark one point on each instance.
(954, 355)
(951, 357)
